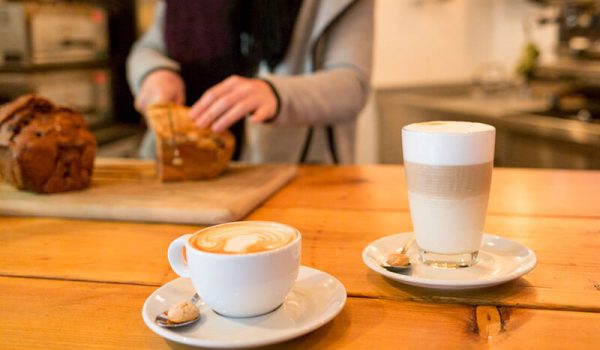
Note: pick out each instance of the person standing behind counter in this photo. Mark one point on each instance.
(299, 69)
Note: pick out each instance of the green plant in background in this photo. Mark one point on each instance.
(528, 60)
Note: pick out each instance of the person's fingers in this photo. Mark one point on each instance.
(143, 97)
(161, 86)
(211, 95)
(179, 98)
(262, 114)
(235, 113)
(221, 105)
(140, 103)
(146, 99)
(267, 106)
(158, 97)
(229, 101)
(168, 96)
(177, 94)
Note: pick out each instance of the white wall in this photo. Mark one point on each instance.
(510, 18)
(426, 41)
(421, 41)
(434, 41)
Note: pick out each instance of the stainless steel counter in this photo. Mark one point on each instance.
(524, 139)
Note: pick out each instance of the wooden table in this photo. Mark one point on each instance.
(73, 284)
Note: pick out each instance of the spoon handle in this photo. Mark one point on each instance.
(195, 299)
(408, 244)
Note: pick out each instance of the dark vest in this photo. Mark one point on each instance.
(205, 38)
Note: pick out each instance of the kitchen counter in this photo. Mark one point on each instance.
(81, 284)
(510, 111)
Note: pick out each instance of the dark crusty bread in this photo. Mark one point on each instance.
(44, 148)
(203, 153)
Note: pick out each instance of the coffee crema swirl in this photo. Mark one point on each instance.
(242, 238)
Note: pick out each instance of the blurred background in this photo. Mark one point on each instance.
(530, 68)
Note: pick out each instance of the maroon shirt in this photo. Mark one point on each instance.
(197, 30)
(204, 37)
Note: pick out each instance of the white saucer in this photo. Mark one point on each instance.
(316, 298)
(500, 260)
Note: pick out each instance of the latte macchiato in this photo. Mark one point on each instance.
(448, 171)
(243, 238)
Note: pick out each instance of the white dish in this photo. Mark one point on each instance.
(500, 260)
(316, 298)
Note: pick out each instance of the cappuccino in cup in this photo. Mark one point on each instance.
(242, 238)
(240, 269)
(448, 169)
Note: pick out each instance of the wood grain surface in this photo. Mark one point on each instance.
(129, 190)
(63, 281)
(530, 192)
(76, 315)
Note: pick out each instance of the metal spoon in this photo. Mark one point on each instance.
(402, 268)
(163, 321)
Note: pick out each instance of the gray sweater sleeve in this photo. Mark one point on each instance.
(338, 89)
(149, 52)
(335, 92)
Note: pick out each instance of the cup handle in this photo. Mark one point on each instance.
(175, 255)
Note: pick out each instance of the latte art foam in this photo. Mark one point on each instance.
(243, 238)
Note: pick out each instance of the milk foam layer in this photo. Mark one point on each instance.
(243, 237)
(448, 143)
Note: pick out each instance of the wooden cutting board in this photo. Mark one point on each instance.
(128, 189)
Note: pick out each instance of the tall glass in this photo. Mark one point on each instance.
(448, 170)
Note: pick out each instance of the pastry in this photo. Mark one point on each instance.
(184, 151)
(45, 148)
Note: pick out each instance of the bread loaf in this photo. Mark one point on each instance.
(184, 151)
(45, 148)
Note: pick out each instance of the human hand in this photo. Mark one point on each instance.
(160, 86)
(231, 100)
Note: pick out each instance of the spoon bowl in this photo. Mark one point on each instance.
(163, 321)
(396, 269)
(399, 268)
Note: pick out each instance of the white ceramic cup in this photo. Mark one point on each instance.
(239, 284)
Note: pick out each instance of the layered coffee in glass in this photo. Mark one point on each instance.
(448, 169)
